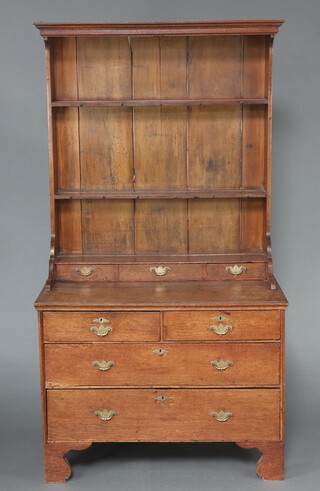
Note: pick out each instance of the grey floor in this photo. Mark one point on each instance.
(153, 467)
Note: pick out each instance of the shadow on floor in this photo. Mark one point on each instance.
(131, 452)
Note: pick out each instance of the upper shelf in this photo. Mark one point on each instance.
(159, 102)
(242, 27)
(164, 194)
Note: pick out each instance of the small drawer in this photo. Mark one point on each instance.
(108, 415)
(92, 272)
(239, 271)
(227, 364)
(160, 272)
(61, 327)
(222, 325)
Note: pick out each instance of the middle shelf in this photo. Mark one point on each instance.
(162, 194)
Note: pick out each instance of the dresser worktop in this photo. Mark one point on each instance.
(164, 295)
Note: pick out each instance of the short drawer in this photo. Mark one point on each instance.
(240, 271)
(222, 325)
(132, 415)
(227, 364)
(92, 272)
(160, 272)
(60, 327)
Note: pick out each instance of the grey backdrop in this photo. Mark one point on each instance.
(24, 230)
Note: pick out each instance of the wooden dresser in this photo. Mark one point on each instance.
(161, 319)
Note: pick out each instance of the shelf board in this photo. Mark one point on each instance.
(165, 194)
(158, 102)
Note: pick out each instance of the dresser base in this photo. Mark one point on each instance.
(193, 363)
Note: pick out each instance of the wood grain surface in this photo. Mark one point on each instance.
(246, 325)
(60, 327)
(253, 365)
(270, 466)
(222, 295)
(185, 416)
(56, 467)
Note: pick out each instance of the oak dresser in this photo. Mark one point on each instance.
(161, 319)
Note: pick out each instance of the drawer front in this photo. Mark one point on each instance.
(160, 272)
(164, 415)
(250, 364)
(239, 271)
(222, 325)
(90, 272)
(96, 327)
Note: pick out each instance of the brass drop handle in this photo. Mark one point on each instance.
(221, 416)
(101, 330)
(236, 270)
(160, 270)
(85, 271)
(221, 364)
(220, 329)
(103, 365)
(105, 415)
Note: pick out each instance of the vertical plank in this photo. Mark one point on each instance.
(255, 141)
(214, 147)
(153, 59)
(160, 147)
(159, 133)
(104, 68)
(146, 67)
(215, 66)
(173, 67)
(66, 145)
(254, 146)
(108, 226)
(214, 226)
(106, 148)
(252, 225)
(161, 226)
(70, 230)
(64, 67)
(254, 66)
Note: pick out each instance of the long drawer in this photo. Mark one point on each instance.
(59, 327)
(236, 364)
(104, 415)
(222, 325)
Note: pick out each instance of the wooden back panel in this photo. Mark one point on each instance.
(180, 146)
(201, 226)
(168, 148)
